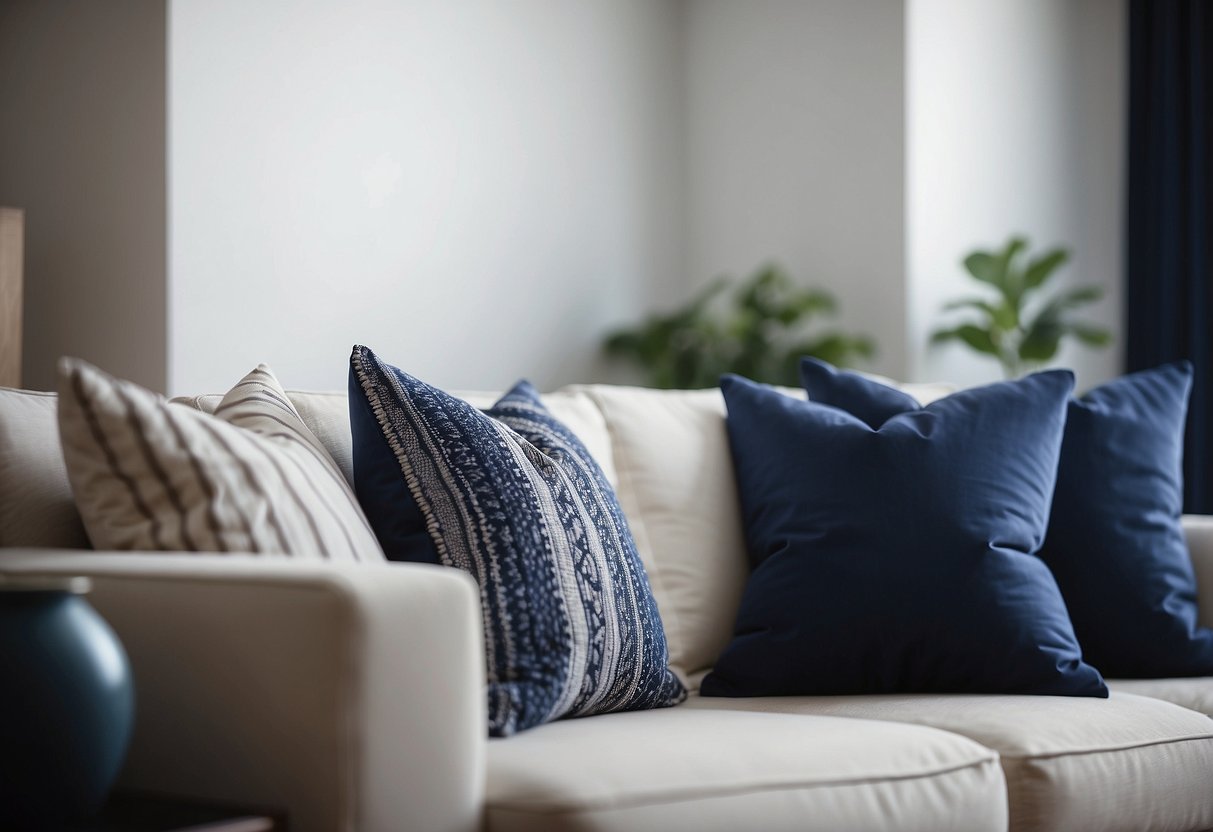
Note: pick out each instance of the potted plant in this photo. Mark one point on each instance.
(1013, 324)
(760, 329)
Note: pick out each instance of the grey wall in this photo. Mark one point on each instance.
(795, 136)
(1020, 133)
(481, 189)
(82, 150)
(478, 190)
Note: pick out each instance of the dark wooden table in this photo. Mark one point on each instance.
(135, 812)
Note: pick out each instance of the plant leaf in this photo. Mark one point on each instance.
(1092, 336)
(1042, 268)
(971, 303)
(837, 348)
(984, 267)
(1012, 277)
(973, 335)
(801, 305)
(622, 342)
(997, 269)
(1014, 246)
(1042, 339)
(1002, 315)
(1080, 296)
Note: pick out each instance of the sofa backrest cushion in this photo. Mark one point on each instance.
(325, 414)
(36, 505)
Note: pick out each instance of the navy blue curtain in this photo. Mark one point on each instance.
(1169, 288)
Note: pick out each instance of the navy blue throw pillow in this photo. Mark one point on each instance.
(1115, 541)
(870, 401)
(513, 497)
(900, 556)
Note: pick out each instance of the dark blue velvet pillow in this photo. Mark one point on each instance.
(900, 557)
(1115, 541)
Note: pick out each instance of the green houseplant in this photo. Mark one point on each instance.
(1011, 325)
(759, 329)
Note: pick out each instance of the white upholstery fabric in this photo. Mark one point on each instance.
(1125, 763)
(351, 697)
(1196, 694)
(328, 417)
(1199, 532)
(682, 769)
(36, 505)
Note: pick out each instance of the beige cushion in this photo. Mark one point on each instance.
(682, 769)
(1125, 763)
(36, 505)
(1196, 694)
(676, 487)
(327, 415)
(149, 475)
(1198, 529)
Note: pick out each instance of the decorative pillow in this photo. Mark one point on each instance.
(150, 475)
(513, 497)
(900, 556)
(1115, 541)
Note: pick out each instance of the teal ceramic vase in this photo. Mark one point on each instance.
(66, 704)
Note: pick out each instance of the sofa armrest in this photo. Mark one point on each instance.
(351, 697)
(1198, 528)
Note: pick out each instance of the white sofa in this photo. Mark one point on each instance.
(352, 696)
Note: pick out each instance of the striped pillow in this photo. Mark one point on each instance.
(513, 497)
(251, 478)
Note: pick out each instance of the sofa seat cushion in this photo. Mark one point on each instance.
(1124, 763)
(686, 769)
(1196, 694)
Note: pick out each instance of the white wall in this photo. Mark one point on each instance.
(1015, 124)
(474, 189)
(795, 135)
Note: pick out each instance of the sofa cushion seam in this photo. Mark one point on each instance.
(325, 581)
(1082, 752)
(690, 795)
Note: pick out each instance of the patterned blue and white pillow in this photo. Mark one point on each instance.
(513, 497)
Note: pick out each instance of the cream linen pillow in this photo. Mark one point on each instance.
(251, 478)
